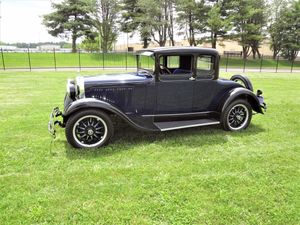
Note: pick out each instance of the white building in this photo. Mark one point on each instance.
(48, 47)
(8, 48)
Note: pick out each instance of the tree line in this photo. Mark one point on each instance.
(248, 22)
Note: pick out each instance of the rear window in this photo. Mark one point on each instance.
(205, 66)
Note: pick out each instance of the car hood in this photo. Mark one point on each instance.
(115, 78)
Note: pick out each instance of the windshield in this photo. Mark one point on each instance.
(146, 62)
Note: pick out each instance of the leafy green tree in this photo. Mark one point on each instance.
(153, 19)
(153, 23)
(156, 19)
(291, 31)
(249, 23)
(70, 19)
(171, 8)
(276, 27)
(105, 15)
(132, 21)
(204, 17)
(190, 18)
(276, 31)
(259, 22)
(218, 21)
(90, 44)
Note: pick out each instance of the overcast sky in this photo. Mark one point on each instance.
(21, 21)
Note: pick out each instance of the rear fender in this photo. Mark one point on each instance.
(241, 93)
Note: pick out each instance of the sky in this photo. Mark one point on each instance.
(21, 21)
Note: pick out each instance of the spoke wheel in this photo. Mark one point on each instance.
(237, 115)
(89, 129)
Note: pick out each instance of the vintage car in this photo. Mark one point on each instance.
(173, 88)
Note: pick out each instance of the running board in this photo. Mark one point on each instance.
(174, 125)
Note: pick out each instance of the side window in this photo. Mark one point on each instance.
(205, 66)
(173, 62)
(176, 67)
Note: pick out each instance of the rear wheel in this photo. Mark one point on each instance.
(89, 129)
(237, 115)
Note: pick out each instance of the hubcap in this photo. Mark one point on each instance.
(90, 131)
(238, 117)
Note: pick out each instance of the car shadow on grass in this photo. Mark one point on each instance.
(126, 138)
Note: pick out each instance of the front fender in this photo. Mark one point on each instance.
(86, 103)
(244, 94)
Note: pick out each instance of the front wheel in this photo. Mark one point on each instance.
(89, 129)
(237, 116)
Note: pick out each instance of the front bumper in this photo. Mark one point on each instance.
(53, 121)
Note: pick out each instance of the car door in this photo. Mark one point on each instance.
(205, 88)
(174, 89)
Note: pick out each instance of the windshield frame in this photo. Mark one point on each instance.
(149, 54)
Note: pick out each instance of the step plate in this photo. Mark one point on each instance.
(174, 125)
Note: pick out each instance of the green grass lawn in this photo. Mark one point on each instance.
(46, 60)
(192, 176)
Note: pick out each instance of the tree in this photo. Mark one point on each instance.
(105, 21)
(171, 9)
(259, 22)
(132, 21)
(69, 20)
(249, 22)
(276, 27)
(90, 44)
(276, 31)
(218, 21)
(190, 18)
(291, 32)
(156, 19)
(204, 17)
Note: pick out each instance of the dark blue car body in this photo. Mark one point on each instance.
(164, 98)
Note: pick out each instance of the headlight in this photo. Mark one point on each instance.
(71, 89)
(80, 87)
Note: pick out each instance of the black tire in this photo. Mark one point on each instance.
(243, 80)
(89, 129)
(236, 116)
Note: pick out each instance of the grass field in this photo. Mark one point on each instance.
(46, 60)
(193, 176)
